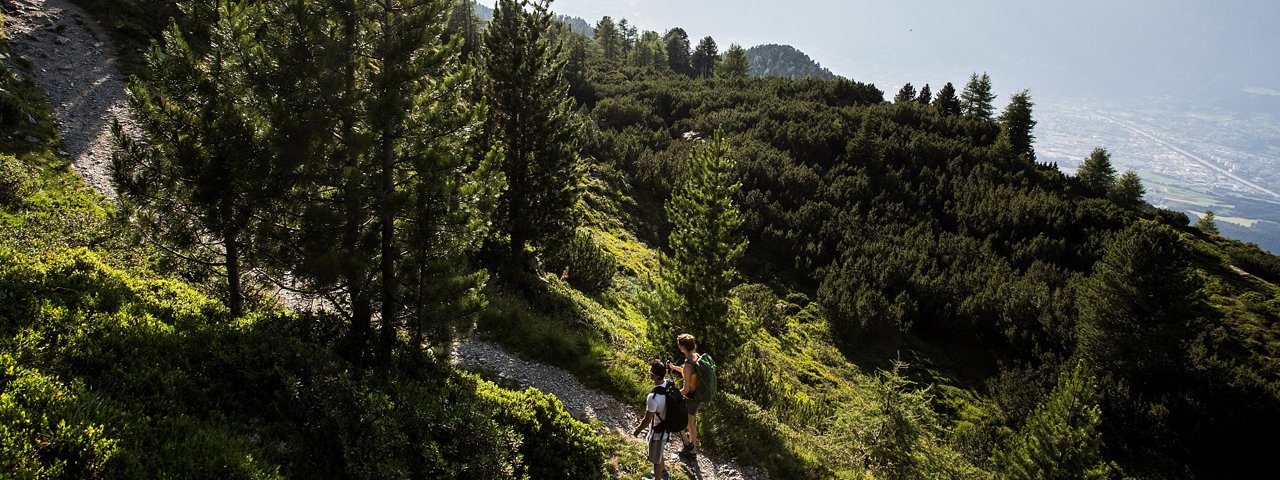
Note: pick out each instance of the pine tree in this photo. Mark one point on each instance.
(650, 51)
(906, 94)
(977, 97)
(390, 200)
(946, 100)
(532, 116)
(627, 34)
(734, 64)
(704, 58)
(1016, 124)
(609, 39)
(1061, 438)
(208, 170)
(1096, 175)
(1137, 305)
(706, 242)
(926, 95)
(1207, 224)
(1128, 191)
(464, 23)
(678, 56)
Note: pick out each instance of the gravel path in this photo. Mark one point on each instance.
(586, 404)
(71, 57)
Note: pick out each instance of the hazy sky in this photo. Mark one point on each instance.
(1060, 48)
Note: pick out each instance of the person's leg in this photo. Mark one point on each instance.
(655, 457)
(693, 429)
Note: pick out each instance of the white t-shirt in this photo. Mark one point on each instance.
(658, 405)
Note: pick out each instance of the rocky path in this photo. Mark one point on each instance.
(71, 58)
(586, 404)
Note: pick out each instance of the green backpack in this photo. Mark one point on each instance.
(706, 368)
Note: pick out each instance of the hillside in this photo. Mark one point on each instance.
(894, 290)
(784, 61)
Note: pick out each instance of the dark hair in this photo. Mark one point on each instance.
(685, 340)
(657, 368)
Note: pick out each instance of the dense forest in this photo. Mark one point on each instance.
(893, 287)
(784, 61)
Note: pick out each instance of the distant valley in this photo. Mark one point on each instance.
(1191, 160)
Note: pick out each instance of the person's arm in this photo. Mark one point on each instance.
(689, 381)
(644, 423)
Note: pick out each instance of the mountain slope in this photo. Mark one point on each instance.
(784, 61)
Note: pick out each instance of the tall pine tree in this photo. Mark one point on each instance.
(706, 242)
(678, 56)
(1096, 175)
(946, 101)
(906, 94)
(734, 64)
(532, 117)
(704, 58)
(926, 95)
(1128, 191)
(391, 200)
(208, 171)
(1016, 124)
(977, 97)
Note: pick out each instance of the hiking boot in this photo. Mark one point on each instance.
(689, 450)
(666, 475)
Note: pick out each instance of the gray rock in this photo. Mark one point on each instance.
(61, 40)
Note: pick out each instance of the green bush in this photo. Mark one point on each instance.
(45, 431)
(16, 182)
(554, 445)
(581, 262)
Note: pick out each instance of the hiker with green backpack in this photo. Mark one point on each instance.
(699, 385)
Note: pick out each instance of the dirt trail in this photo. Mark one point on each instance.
(587, 404)
(73, 64)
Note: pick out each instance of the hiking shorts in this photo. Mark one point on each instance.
(692, 405)
(656, 445)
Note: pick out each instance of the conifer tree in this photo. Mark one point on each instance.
(532, 117)
(946, 100)
(609, 39)
(1137, 305)
(977, 97)
(926, 95)
(704, 58)
(706, 242)
(734, 64)
(650, 51)
(1061, 438)
(906, 94)
(208, 170)
(678, 56)
(1096, 175)
(1128, 191)
(1207, 224)
(390, 200)
(464, 23)
(1016, 124)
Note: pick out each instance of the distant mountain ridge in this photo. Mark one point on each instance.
(773, 60)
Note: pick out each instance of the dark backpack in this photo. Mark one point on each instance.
(706, 368)
(677, 417)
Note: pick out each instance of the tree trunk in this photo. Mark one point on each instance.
(386, 211)
(235, 298)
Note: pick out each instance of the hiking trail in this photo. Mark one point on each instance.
(73, 63)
